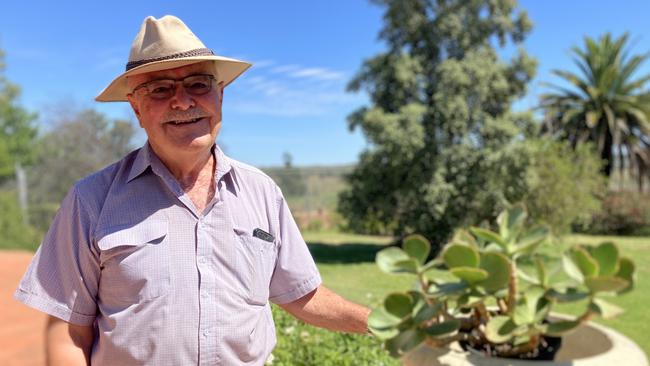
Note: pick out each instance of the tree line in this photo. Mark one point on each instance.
(74, 144)
(446, 148)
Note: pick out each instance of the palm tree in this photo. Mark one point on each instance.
(606, 103)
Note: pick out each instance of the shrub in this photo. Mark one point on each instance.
(623, 213)
(300, 344)
(563, 185)
(14, 234)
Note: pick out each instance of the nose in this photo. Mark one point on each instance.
(181, 99)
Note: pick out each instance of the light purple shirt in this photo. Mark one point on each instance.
(162, 283)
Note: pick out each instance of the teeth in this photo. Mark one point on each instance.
(187, 121)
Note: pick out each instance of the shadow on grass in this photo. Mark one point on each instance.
(344, 253)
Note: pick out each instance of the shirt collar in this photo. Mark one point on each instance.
(141, 163)
(143, 160)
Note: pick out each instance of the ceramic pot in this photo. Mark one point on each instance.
(589, 345)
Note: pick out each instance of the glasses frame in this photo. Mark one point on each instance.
(144, 85)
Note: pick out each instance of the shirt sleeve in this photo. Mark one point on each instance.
(63, 277)
(295, 274)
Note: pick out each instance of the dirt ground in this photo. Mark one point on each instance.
(21, 328)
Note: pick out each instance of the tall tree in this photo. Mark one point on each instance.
(79, 143)
(17, 132)
(606, 102)
(439, 125)
(16, 149)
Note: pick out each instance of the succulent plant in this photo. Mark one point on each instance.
(496, 287)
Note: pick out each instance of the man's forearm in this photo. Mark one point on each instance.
(324, 308)
(67, 344)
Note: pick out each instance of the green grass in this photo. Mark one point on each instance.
(347, 266)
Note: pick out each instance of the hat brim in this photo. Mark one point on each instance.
(228, 68)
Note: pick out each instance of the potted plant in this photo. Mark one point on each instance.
(491, 293)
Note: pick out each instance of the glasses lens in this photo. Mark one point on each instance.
(165, 88)
(197, 84)
(160, 89)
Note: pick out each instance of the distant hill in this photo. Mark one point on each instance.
(319, 186)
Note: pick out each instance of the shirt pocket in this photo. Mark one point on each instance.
(134, 262)
(256, 259)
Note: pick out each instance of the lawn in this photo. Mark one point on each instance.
(347, 266)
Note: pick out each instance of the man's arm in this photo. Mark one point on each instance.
(66, 343)
(323, 308)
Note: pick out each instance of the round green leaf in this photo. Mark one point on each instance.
(561, 327)
(384, 334)
(426, 313)
(464, 237)
(398, 304)
(542, 275)
(442, 329)
(606, 254)
(404, 342)
(531, 240)
(387, 258)
(571, 268)
(417, 247)
(570, 295)
(469, 274)
(498, 267)
(380, 319)
(406, 266)
(588, 266)
(500, 329)
(626, 272)
(448, 288)
(488, 236)
(606, 284)
(511, 221)
(458, 255)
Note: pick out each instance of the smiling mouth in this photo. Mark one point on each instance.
(185, 122)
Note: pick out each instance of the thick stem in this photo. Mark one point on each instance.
(513, 287)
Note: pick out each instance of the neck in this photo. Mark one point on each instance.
(188, 168)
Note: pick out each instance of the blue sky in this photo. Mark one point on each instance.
(304, 52)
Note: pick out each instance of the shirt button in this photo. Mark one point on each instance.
(201, 260)
(206, 333)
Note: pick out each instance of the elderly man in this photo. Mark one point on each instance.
(171, 255)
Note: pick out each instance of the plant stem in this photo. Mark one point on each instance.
(512, 287)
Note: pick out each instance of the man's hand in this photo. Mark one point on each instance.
(323, 308)
(67, 344)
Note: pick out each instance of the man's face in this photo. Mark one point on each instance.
(184, 122)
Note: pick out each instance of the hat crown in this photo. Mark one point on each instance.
(159, 38)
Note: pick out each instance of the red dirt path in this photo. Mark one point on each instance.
(21, 328)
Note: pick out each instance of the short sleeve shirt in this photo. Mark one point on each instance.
(160, 282)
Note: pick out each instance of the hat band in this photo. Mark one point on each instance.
(190, 53)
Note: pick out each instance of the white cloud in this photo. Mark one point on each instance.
(292, 90)
(317, 73)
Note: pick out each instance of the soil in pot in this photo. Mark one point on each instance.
(548, 347)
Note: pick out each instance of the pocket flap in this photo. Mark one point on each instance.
(132, 235)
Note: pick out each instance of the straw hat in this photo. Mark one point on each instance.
(167, 43)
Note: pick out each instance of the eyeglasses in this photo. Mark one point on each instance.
(162, 89)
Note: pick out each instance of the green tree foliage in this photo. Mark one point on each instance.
(443, 141)
(16, 147)
(14, 233)
(606, 103)
(16, 131)
(564, 184)
(78, 144)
